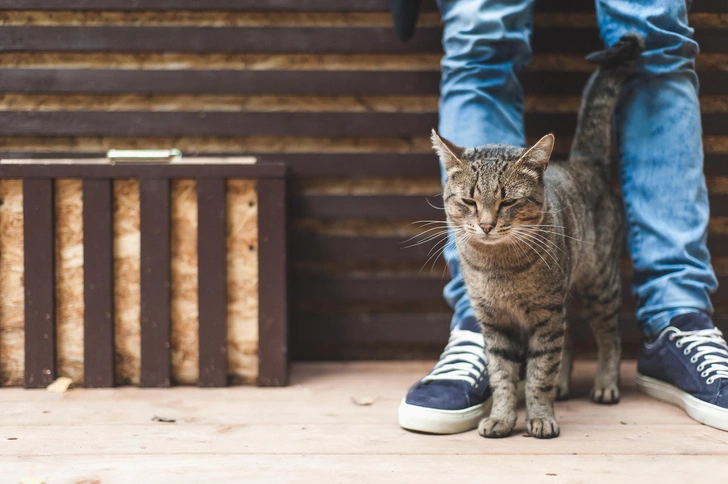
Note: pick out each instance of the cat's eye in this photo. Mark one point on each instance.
(469, 202)
(508, 202)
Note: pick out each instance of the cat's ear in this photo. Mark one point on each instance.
(450, 154)
(538, 155)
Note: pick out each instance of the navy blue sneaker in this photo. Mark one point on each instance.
(455, 395)
(687, 366)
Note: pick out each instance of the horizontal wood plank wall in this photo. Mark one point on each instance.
(324, 86)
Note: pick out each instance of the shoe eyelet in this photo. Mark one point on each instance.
(701, 366)
(704, 374)
(710, 380)
(679, 344)
(686, 351)
(694, 359)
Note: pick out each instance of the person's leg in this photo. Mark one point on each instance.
(666, 201)
(486, 43)
(661, 153)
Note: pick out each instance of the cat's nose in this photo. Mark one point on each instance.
(486, 227)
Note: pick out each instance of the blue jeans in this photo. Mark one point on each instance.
(657, 128)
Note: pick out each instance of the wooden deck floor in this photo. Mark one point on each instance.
(314, 431)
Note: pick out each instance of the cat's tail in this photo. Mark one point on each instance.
(593, 128)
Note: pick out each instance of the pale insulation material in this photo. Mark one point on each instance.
(69, 278)
(242, 276)
(185, 311)
(12, 300)
(127, 291)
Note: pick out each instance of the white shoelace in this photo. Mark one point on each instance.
(715, 360)
(463, 358)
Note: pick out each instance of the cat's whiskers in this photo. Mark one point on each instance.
(540, 243)
(427, 236)
(541, 237)
(532, 238)
(431, 205)
(524, 241)
(536, 228)
(439, 252)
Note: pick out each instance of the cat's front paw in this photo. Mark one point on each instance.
(607, 395)
(543, 428)
(494, 428)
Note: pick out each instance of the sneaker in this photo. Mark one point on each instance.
(687, 366)
(455, 395)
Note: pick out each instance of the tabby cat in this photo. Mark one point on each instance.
(528, 237)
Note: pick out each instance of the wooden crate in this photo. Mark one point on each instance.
(143, 273)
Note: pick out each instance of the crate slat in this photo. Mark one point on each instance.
(98, 281)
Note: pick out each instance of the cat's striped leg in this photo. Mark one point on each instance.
(545, 347)
(503, 350)
(604, 305)
(567, 364)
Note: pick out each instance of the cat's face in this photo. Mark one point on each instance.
(494, 190)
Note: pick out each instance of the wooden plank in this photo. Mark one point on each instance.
(329, 468)
(399, 335)
(352, 288)
(186, 123)
(311, 246)
(357, 165)
(373, 439)
(272, 284)
(402, 328)
(412, 207)
(212, 5)
(284, 123)
(155, 267)
(248, 82)
(286, 82)
(101, 168)
(230, 40)
(212, 280)
(319, 40)
(343, 248)
(39, 277)
(98, 282)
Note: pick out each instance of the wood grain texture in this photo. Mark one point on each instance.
(212, 277)
(331, 439)
(39, 277)
(285, 82)
(304, 124)
(273, 283)
(154, 226)
(98, 283)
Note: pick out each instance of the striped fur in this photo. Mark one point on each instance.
(557, 230)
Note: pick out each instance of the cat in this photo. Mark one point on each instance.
(528, 237)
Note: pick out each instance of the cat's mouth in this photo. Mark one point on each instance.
(491, 238)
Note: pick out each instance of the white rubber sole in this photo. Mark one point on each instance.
(435, 421)
(703, 412)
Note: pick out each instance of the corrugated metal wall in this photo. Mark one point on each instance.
(325, 86)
